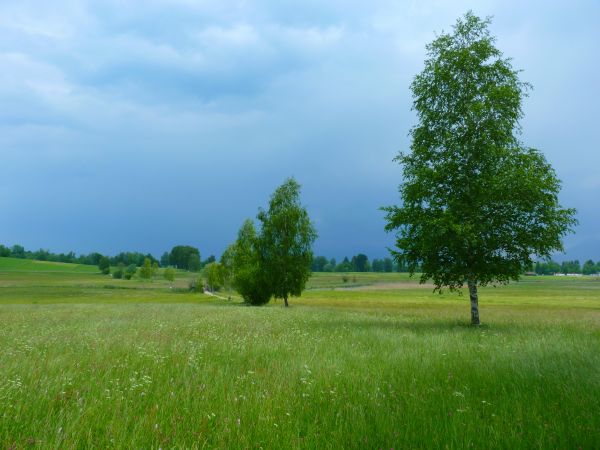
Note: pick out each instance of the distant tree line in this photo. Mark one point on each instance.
(550, 267)
(358, 263)
(186, 257)
(183, 257)
(93, 259)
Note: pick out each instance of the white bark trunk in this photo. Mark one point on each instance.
(474, 303)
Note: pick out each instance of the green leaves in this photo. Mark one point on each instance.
(476, 204)
(277, 261)
(285, 244)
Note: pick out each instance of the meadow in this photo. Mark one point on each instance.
(372, 361)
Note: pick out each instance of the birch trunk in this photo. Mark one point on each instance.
(474, 303)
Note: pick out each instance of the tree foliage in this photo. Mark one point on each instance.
(285, 242)
(213, 274)
(119, 271)
(185, 257)
(146, 271)
(227, 260)
(104, 265)
(589, 268)
(475, 203)
(169, 274)
(130, 271)
(249, 278)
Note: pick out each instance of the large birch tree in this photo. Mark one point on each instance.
(476, 204)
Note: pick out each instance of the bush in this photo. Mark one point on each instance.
(196, 285)
(130, 271)
(104, 265)
(146, 270)
(169, 274)
(119, 271)
(257, 294)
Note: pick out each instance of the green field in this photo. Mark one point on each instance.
(375, 361)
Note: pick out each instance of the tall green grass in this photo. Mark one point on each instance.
(148, 368)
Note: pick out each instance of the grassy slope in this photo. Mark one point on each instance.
(145, 367)
(28, 265)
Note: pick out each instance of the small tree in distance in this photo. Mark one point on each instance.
(130, 271)
(476, 204)
(169, 274)
(146, 269)
(120, 270)
(213, 273)
(227, 266)
(104, 265)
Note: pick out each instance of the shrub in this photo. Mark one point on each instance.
(169, 274)
(196, 285)
(119, 271)
(130, 271)
(146, 269)
(104, 265)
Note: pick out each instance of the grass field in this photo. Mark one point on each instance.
(372, 362)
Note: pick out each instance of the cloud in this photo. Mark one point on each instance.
(118, 116)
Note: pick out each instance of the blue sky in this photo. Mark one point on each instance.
(142, 125)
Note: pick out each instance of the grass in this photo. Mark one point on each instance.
(113, 363)
(29, 265)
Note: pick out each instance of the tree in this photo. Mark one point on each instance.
(547, 267)
(329, 267)
(130, 271)
(344, 266)
(570, 267)
(589, 267)
(213, 273)
(181, 256)
(146, 269)
(227, 266)
(285, 243)
(169, 274)
(388, 265)
(360, 263)
(207, 261)
(249, 277)
(164, 259)
(4, 251)
(318, 264)
(194, 264)
(377, 265)
(119, 271)
(17, 251)
(104, 265)
(475, 203)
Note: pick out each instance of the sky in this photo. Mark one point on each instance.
(137, 126)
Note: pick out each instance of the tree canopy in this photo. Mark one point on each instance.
(185, 257)
(249, 278)
(285, 243)
(476, 204)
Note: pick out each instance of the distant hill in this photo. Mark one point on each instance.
(30, 265)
